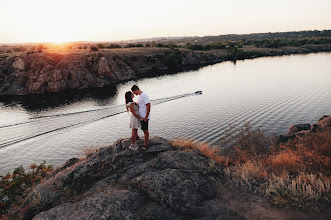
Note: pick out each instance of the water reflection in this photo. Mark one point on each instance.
(38, 102)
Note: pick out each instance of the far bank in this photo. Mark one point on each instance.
(51, 71)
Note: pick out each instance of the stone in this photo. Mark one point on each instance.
(315, 128)
(324, 121)
(57, 86)
(282, 139)
(19, 64)
(298, 127)
(103, 67)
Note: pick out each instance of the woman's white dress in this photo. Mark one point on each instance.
(134, 121)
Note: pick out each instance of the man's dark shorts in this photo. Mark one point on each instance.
(144, 125)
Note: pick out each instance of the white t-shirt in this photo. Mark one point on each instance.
(142, 101)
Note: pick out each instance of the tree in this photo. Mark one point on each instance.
(94, 48)
(100, 45)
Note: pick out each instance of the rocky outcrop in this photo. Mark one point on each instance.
(324, 123)
(298, 127)
(117, 183)
(49, 72)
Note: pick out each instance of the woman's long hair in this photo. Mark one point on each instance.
(128, 98)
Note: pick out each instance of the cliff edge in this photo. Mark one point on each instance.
(43, 72)
(163, 182)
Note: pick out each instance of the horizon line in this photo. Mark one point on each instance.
(157, 38)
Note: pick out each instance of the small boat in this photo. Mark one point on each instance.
(198, 92)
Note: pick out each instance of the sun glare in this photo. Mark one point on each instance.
(58, 43)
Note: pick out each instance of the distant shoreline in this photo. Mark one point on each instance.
(50, 71)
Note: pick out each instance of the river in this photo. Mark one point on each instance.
(271, 93)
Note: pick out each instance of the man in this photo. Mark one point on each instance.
(144, 110)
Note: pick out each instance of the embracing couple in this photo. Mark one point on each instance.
(139, 115)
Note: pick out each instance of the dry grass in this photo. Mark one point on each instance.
(90, 150)
(303, 191)
(210, 152)
(294, 174)
(287, 161)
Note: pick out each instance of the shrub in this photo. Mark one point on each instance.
(94, 48)
(15, 187)
(100, 46)
(114, 46)
(285, 161)
(18, 49)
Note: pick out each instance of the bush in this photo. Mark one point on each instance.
(114, 46)
(94, 48)
(134, 45)
(100, 46)
(15, 187)
(170, 59)
(18, 49)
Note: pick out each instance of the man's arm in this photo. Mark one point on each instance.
(148, 105)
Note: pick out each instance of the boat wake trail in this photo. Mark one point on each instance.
(42, 125)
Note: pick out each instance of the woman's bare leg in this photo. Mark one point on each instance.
(134, 136)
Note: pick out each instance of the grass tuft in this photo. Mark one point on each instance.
(90, 150)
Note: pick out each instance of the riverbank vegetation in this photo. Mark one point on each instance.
(207, 43)
(295, 174)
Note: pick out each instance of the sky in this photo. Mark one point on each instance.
(108, 20)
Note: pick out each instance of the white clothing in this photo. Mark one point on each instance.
(142, 101)
(134, 121)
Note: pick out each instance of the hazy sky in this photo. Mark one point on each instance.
(107, 20)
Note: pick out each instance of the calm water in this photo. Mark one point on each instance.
(270, 93)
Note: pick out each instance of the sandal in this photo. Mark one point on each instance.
(143, 148)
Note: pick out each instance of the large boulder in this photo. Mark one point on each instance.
(116, 183)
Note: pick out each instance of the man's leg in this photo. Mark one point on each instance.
(146, 135)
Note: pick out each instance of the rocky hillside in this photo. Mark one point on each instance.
(53, 71)
(117, 183)
(164, 182)
(40, 72)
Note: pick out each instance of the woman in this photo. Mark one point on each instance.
(134, 118)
